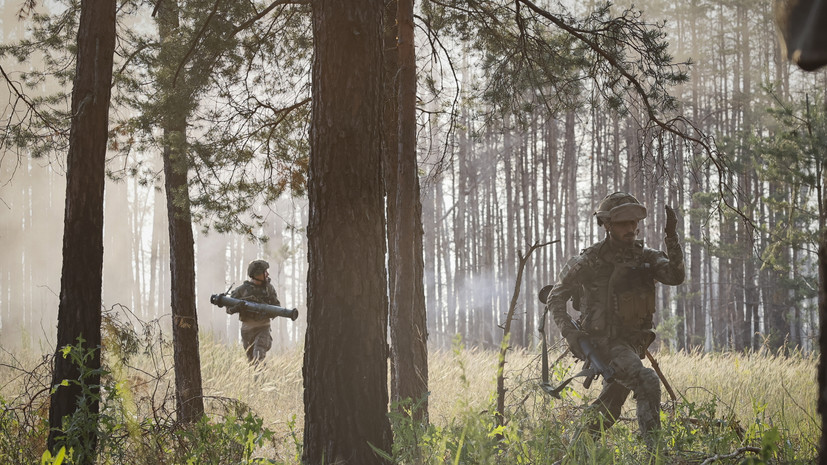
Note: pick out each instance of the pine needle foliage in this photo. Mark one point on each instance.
(238, 72)
(553, 59)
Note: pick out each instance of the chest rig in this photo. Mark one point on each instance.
(618, 295)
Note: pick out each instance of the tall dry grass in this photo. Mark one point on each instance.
(745, 389)
(775, 389)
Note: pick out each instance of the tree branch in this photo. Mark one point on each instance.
(195, 41)
(263, 12)
(500, 416)
(694, 134)
(28, 103)
(737, 452)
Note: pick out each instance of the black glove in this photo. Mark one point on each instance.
(573, 339)
(671, 222)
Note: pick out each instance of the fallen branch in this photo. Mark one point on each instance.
(739, 451)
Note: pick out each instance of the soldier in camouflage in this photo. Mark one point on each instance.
(612, 285)
(255, 328)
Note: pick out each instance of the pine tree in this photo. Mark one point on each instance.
(79, 313)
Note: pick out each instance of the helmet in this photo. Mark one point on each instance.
(619, 206)
(256, 267)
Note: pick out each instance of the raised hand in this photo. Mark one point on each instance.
(671, 222)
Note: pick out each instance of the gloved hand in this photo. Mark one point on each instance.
(573, 339)
(671, 222)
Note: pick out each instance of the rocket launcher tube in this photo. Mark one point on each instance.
(272, 311)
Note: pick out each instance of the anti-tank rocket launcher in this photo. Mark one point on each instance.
(236, 305)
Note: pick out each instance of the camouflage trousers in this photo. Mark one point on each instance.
(256, 340)
(630, 376)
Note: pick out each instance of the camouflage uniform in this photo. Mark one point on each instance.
(613, 287)
(255, 328)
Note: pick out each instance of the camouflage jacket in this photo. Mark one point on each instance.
(614, 288)
(263, 294)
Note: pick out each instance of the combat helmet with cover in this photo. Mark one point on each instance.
(256, 267)
(619, 206)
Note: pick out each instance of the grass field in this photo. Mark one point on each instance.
(726, 403)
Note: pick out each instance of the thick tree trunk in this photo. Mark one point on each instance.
(409, 332)
(188, 392)
(79, 311)
(346, 353)
(186, 355)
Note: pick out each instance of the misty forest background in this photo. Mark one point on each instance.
(414, 173)
(495, 178)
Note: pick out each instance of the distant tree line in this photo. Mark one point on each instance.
(491, 186)
(750, 215)
(426, 178)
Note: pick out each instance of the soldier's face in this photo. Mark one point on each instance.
(623, 231)
(262, 276)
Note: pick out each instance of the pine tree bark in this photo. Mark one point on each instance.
(346, 353)
(79, 311)
(409, 332)
(186, 355)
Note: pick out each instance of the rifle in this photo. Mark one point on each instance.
(594, 362)
(593, 367)
(272, 311)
